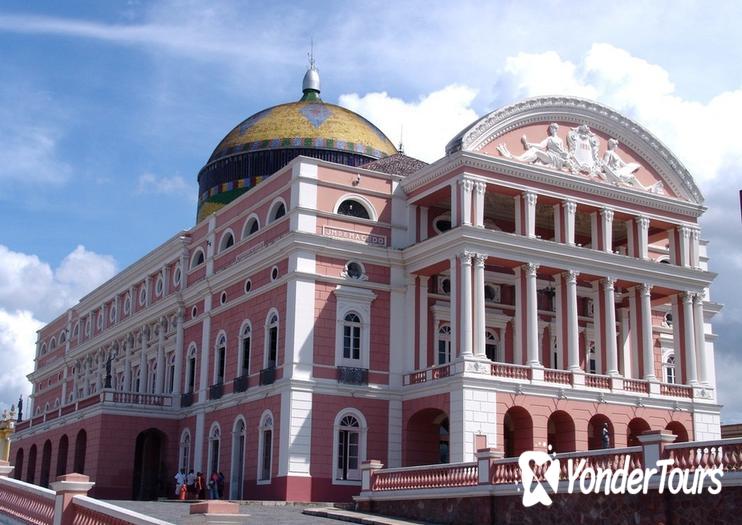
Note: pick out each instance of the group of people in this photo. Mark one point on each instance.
(197, 487)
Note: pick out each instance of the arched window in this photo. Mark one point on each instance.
(151, 376)
(18, 471)
(492, 346)
(237, 469)
(352, 336)
(52, 344)
(197, 258)
(252, 225)
(265, 448)
(184, 455)
(227, 241)
(669, 366)
(444, 344)
(349, 446)
(220, 359)
(63, 337)
(43, 349)
(245, 346)
(214, 444)
(191, 369)
(278, 210)
(271, 340)
(81, 445)
(31, 472)
(353, 208)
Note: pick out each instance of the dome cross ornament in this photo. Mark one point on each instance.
(310, 85)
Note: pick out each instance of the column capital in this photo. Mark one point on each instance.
(687, 297)
(479, 259)
(466, 257)
(684, 230)
(530, 268)
(609, 282)
(642, 221)
(530, 198)
(480, 187)
(699, 297)
(571, 276)
(695, 233)
(569, 206)
(645, 289)
(466, 184)
(607, 214)
(424, 280)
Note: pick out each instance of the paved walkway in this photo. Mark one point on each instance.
(273, 512)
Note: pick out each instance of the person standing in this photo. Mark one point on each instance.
(213, 486)
(191, 484)
(199, 486)
(180, 478)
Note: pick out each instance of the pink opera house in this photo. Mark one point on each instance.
(338, 301)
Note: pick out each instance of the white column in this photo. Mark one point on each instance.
(630, 246)
(127, 365)
(557, 222)
(559, 318)
(594, 227)
(178, 348)
(529, 201)
(465, 187)
(453, 310)
(684, 245)
(411, 224)
(423, 314)
(694, 249)
(480, 188)
(454, 204)
(570, 209)
(423, 224)
(609, 307)
(699, 330)
(532, 316)
(518, 320)
(645, 293)
(143, 361)
(573, 327)
(689, 338)
(479, 313)
(410, 315)
(606, 224)
(642, 229)
(466, 313)
(160, 372)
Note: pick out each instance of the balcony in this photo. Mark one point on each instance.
(268, 375)
(240, 384)
(186, 399)
(216, 391)
(349, 375)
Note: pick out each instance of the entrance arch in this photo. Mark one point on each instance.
(46, 463)
(31, 472)
(148, 482)
(62, 449)
(595, 432)
(237, 470)
(81, 445)
(517, 435)
(681, 434)
(633, 431)
(561, 432)
(427, 440)
(18, 471)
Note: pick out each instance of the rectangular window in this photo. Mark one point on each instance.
(265, 470)
(220, 365)
(444, 352)
(352, 342)
(347, 459)
(272, 346)
(246, 356)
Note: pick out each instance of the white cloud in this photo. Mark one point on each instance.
(31, 294)
(429, 123)
(175, 185)
(17, 348)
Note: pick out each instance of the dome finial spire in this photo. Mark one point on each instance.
(310, 85)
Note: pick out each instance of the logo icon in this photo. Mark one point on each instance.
(533, 489)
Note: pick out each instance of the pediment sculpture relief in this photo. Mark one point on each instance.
(581, 156)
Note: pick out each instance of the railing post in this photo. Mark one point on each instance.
(367, 471)
(67, 487)
(653, 445)
(486, 458)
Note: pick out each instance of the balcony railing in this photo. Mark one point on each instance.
(186, 399)
(241, 383)
(216, 391)
(268, 375)
(349, 375)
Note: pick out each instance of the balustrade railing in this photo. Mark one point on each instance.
(25, 502)
(350, 375)
(511, 371)
(667, 389)
(562, 377)
(429, 374)
(134, 398)
(426, 477)
(722, 453)
(598, 381)
(636, 385)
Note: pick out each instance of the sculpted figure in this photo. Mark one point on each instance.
(550, 151)
(616, 169)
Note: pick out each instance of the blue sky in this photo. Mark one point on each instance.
(108, 110)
